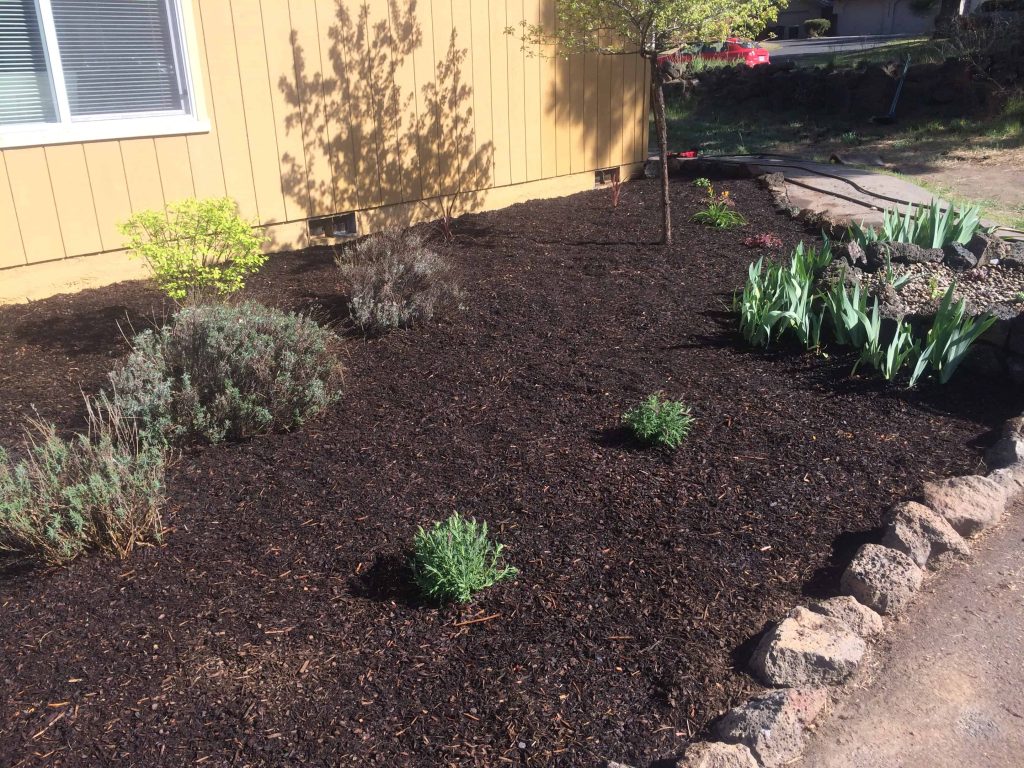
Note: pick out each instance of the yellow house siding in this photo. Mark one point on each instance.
(258, 109)
(72, 195)
(305, 100)
(109, 187)
(204, 149)
(291, 154)
(12, 254)
(142, 170)
(319, 107)
(496, 22)
(226, 103)
(483, 111)
(34, 206)
(175, 166)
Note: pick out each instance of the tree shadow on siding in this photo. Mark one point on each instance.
(368, 142)
(600, 101)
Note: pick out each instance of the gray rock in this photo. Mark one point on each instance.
(1014, 254)
(925, 536)
(829, 225)
(836, 271)
(613, 764)
(890, 304)
(1015, 336)
(970, 503)
(807, 648)
(1005, 453)
(853, 254)
(715, 754)
(986, 248)
(775, 183)
(958, 258)
(900, 253)
(772, 726)
(861, 619)
(999, 332)
(881, 578)
(1010, 479)
(1014, 428)
(1015, 367)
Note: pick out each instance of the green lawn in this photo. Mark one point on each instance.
(937, 151)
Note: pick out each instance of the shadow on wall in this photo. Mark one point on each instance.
(370, 142)
(601, 100)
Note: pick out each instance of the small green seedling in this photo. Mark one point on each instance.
(455, 559)
(659, 421)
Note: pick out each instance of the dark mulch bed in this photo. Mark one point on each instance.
(276, 626)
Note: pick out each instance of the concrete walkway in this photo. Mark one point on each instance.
(845, 191)
(949, 689)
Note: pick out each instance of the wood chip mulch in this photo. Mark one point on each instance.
(276, 625)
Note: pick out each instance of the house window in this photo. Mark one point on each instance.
(75, 70)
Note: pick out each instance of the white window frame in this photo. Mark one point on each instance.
(67, 129)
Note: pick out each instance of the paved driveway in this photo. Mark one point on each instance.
(787, 50)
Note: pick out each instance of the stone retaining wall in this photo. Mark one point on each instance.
(811, 653)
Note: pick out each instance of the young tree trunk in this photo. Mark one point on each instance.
(661, 128)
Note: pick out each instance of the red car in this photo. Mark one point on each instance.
(731, 49)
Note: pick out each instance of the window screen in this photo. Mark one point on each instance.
(26, 95)
(117, 56)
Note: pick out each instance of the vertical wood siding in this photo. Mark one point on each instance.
(325, 106)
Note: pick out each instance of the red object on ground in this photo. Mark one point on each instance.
(731, 49)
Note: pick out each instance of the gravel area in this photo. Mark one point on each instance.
(981, 287)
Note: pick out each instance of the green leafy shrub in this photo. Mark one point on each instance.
(99, 491)
(718, 211)
(949, 339)
(777, 298)
(903, 347)
(927, 226)
(455, 559)
(847, 313)
(658, 421)
(702, 182)
(221, 372)
(197, 249)
(817, 27)
(395, 281)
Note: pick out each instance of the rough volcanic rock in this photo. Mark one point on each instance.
(881, 578)
(715, 754)
(970, 503)
(772, 726)
(808, 648)
(987, 248)
(916, 530)
(958, 257)
(861, 619)
(878, 254)
(852, 253)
